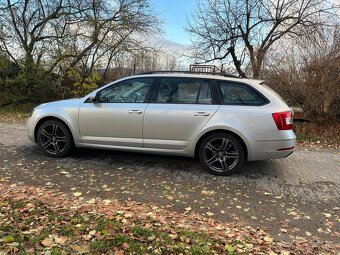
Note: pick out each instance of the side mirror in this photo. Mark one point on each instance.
(95, 99)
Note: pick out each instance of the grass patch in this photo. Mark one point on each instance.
(56, 251)
(321, 135)
(194, 237)
(104, 225)
(16, 113)
(99, 246)
(18, 204)
(67, 230)
(17, 110)
(6, 228)
(139, 231)
(41, 236)
(106, 233)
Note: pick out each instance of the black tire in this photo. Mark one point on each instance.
(221, 154)
(55, 139)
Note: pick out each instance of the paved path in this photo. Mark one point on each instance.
(296, 196)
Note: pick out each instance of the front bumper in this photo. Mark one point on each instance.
(30, 127)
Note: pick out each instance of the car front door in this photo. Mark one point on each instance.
(180, 108)
(116, 118)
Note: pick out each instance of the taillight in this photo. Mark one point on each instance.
(283, 120)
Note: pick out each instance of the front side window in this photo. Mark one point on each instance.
(129, 91)
(238, 94)
(184, 91)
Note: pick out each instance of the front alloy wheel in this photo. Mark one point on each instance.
(55, 138)
(221, 154)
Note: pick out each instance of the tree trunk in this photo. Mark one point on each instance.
(237, 63)
(257, 63)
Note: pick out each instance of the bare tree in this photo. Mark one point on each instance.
(30, 28)
(53, 36)
(242, 31)
(145, 60)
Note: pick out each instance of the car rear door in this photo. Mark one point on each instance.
(179, 109)
(117, 118)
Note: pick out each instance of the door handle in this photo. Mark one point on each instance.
(201, 114)
(135, 112)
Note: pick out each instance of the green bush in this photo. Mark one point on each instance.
(83, 85)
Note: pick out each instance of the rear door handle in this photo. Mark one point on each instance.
(201, 114)
(135, 112)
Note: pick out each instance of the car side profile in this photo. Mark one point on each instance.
(224, 121)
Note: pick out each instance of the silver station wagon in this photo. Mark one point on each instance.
(222, 120)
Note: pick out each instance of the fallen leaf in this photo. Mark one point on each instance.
(151, 238)
(173, 236)
(7, 239)
(268, 239)
(60, 240)
(47, 242)
(91, 201)
(229, 248)
(107, 201)
(207, 192)
(327, 215)
(77, 194)
(82, 249)
(284, 252)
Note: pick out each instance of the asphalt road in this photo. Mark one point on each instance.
(296, 197)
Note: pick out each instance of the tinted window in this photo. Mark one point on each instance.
(184, 91)
(129, 91)
(238, 94)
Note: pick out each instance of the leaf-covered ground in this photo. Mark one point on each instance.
(316, 135)
(43, 221)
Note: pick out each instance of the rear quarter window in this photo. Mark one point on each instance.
(273, 92)
(239, 94)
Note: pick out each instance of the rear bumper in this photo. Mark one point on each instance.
(266, 144)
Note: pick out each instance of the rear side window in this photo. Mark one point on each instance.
(184, 91)
(238, 94)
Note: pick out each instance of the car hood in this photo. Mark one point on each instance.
(62, 103)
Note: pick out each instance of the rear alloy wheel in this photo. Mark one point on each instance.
(55, 138)
(221, 154)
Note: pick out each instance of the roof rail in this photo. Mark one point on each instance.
(193, 72)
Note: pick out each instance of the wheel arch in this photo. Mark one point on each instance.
(244, 145)
(46, 118)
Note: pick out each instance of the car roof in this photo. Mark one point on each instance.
(200, 76)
